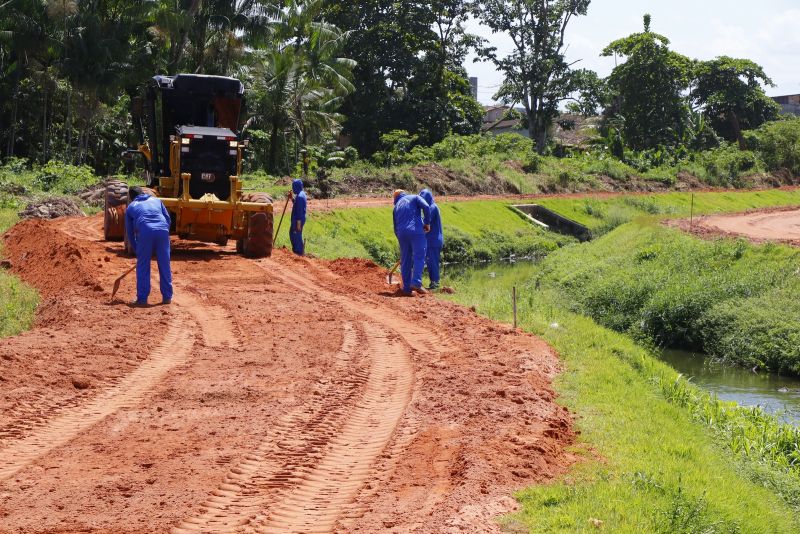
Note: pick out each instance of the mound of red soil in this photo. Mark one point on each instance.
(49, 259)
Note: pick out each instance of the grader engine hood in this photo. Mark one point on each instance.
(210, 156)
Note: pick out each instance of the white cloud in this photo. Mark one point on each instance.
(768, 32)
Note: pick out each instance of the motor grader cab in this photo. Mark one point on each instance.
(193, 160)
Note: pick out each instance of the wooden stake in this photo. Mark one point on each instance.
(514, 303)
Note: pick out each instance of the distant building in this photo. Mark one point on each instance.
(492, 114)
(789, 103)
(473, 83)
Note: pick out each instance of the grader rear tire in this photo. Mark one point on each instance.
(115, 202)
(258, 242)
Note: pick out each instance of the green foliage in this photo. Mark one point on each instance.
(473, 231)
(601, 215)
(727, 165)
(763, 331)
(659, 455)
(678, 291)
(58, 177)
(649, 86)
(538, 30)
(408, 74)
(729, 90)
(778, 144)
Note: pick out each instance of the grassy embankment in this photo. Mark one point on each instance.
(483, 230)
(728, 298)
(604, 213)
(654, 466)
(17, 300)
(476, 231)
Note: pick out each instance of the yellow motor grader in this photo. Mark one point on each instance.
(193, 160)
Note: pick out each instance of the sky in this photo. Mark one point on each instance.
(765, 31)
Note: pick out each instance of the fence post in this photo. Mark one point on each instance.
(514, 304)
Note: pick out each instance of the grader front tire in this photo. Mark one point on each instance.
(115, 202)
(258, 242)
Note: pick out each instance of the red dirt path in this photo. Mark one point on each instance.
(280, 395)
(774, 224)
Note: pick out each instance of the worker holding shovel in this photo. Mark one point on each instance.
(435, 240)
(410, 229)
(299, 206)
(147, 222)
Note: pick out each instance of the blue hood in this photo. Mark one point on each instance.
(427, 196)
(297, 186)
(398, 197)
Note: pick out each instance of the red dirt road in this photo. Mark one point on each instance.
(781, 224)
(280, 395)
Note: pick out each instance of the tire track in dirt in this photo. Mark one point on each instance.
(84, 228)
(420, 339)
(248, 488)
(60, 428)
(315, 504)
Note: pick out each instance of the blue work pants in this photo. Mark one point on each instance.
(432, 259)
(149, 243)
(412, 259)
(296, 237)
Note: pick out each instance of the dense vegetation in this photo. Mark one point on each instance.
(730, 299)
(318, 69)
(660, 455)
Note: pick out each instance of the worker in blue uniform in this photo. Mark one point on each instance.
(147, 224)
(435, 240)
(299, 207)
(412, 220)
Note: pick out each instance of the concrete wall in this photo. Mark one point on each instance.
(554, 221)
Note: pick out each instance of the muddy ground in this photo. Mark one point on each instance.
(279, 395)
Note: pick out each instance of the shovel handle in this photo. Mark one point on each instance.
(277, 232)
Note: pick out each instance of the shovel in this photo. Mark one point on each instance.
(278, 231)
(389, 278)
(118, 281)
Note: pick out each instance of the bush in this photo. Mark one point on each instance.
(62, 178)
(761, 332)
(778, 143)
(726, 165)
(458, 246)
(379, 251)
(725, 297)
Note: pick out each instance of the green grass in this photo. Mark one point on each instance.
(474, 231)
(604, 213)
(649, 464)
(727, 298)
(18, 301)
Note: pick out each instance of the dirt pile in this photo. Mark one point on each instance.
(51, 208)
(50, 260)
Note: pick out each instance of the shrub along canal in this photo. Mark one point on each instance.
(775, 394)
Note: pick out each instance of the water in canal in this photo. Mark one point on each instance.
(775, 394)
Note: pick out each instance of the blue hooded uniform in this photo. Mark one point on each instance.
(298, 215)
(408, 227)
(435, 238)
(147, 223)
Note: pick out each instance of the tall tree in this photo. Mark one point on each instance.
(649, 88)
(401, 81)
(729, 91)
(537, 74)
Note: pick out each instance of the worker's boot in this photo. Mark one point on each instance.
(433, 286)
(420, 290)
